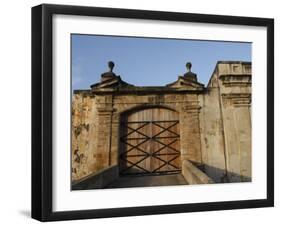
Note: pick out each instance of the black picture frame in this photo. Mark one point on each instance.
(42, 83)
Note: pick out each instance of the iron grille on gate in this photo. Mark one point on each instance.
(168, 162)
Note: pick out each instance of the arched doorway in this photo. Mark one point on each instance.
(150, 142)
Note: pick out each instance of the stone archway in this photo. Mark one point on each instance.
(149, 142)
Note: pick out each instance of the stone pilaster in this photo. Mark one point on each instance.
(115, 139)
(104, 136)
(190, 133)
(237, 127)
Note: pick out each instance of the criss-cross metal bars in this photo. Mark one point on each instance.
(144, 154)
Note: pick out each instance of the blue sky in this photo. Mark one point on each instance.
(148, 61)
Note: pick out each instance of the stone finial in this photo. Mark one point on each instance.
(109, 74)
(189, 74)
(188, 66)
(109, 80)
(110, 65)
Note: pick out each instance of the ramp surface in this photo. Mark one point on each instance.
(147, 181)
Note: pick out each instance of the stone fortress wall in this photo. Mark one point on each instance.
(215, 121)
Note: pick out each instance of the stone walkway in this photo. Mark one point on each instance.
(146, 181)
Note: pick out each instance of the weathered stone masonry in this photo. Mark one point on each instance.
(215, 121)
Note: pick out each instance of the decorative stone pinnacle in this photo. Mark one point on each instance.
(189, 74)
(188, 66)
(110, 65)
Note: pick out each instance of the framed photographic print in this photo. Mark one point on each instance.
(145, 112)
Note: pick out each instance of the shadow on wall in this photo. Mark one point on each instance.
(223, 176)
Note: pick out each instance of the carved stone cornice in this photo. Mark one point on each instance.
(237, 99)
(191, 108)
(241, 80)
(105, 110)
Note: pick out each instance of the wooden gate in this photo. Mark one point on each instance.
(150, 142)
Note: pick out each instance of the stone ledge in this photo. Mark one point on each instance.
(194, 175)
